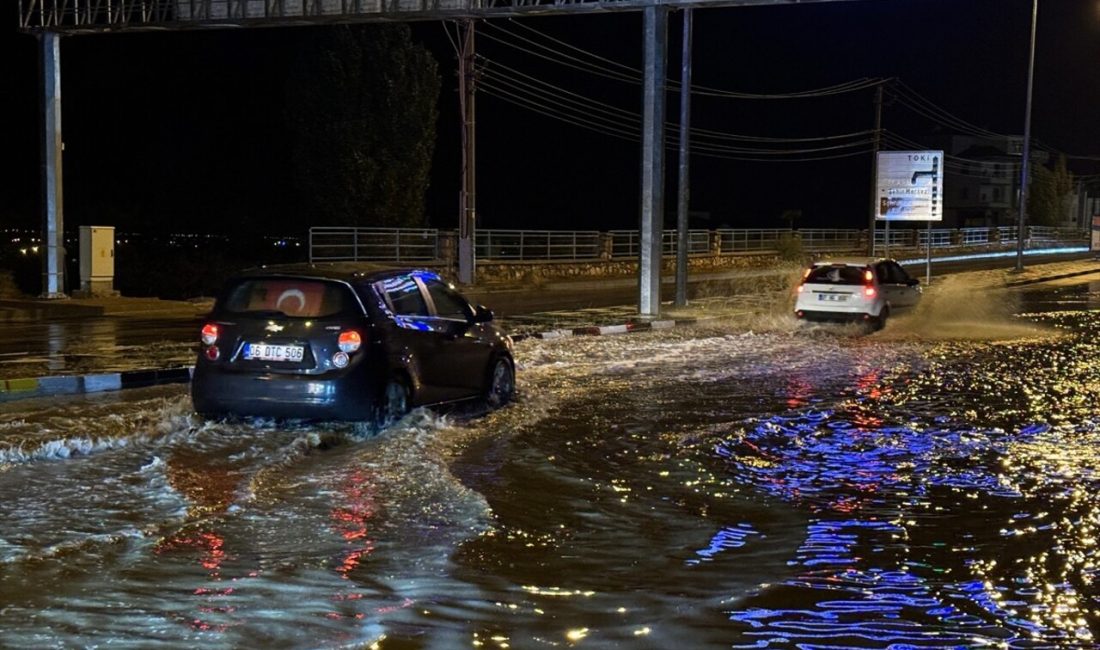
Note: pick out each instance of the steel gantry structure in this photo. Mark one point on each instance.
(50, 19)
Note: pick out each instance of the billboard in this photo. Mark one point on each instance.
(910, 186)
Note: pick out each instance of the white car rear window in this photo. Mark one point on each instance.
(846, 275)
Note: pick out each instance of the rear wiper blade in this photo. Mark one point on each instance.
(267, 313)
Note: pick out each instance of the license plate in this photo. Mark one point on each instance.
(832, 297)
(268, 352)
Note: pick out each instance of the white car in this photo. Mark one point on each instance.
(855, 290)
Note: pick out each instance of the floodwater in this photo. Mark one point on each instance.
(757, 484)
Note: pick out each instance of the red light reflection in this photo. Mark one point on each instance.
(351, 519)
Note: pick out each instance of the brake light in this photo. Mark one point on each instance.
(349, 341)
(806, 274)
(209, 334)
(869, 283)
(800, 287)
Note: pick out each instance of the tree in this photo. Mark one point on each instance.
(1049, 194)
(791, 217)
(362, 109)
(1063, 187)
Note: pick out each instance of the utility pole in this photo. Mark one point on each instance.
(467, 199)
(874, 172)
(651, 227)
(1025, 163)
(53, 222)
(684, 189)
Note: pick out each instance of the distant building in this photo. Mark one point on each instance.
(982, 183)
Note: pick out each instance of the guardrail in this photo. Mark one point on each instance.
(821, 240)
(328, 244)
(999, 237)
(626, 244)
(350, 244)
(571, 245)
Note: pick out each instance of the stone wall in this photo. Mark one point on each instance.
(540, 272)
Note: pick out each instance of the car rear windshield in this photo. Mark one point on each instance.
(296, 298)
(835, 275)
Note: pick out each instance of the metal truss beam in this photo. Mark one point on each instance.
(91, 16)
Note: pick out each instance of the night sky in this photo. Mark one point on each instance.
(184, 131)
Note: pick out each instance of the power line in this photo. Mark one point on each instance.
(560, 52)
(493, 70)
(552, 101)
(611, 69)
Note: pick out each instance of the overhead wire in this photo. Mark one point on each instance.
(628, 74)
(628, 124)
(552, 101)
(494, 71)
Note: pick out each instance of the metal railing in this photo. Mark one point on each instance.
(824, 240)
(337, 244)
(747, 240)
(998, 237)
(537, 244)
(626, 244)
(328, 244)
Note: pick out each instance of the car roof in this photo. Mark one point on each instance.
(852, 261)
(345, 271)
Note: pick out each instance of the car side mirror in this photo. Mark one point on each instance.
(913, 282)
(483, 314)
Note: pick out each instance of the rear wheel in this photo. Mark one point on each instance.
(501, 386)
(880, 322)
(394, 403)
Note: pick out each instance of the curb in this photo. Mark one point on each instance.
(15, 389)
(1050, 278)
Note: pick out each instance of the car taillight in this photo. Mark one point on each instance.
(869, 292)
(209, 334)
(868, 276)
(349, 341)
(800, 287)
(212, 353)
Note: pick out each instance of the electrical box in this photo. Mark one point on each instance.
(97, 260)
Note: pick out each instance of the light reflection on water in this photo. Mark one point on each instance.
(940, 529)
(694, 488)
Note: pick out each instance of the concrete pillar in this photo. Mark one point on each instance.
(607, 246)
(655, 43)
(447, 248)
(53, 225)
(467, 223)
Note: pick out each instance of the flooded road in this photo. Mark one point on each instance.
(756, 484)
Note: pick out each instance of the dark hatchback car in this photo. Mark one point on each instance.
(313, 343)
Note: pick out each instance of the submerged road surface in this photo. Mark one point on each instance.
(936, 484)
